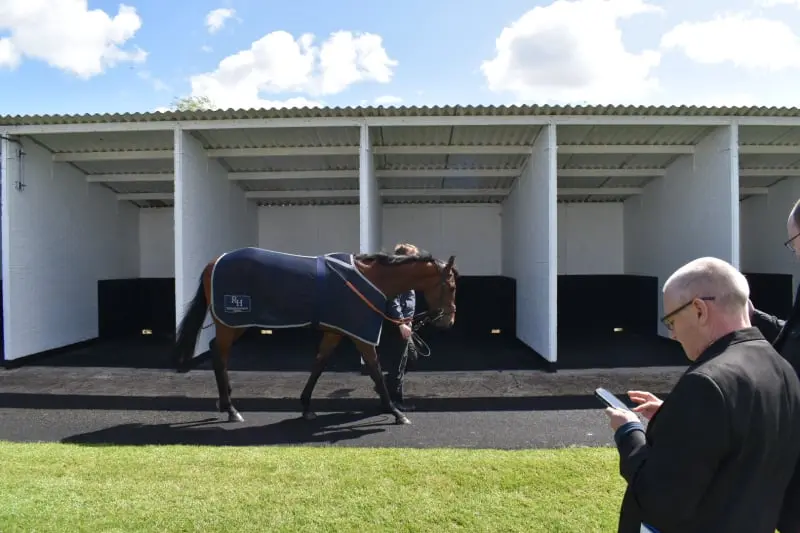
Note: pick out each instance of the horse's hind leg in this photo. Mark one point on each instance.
(329, 343)
(221, 347)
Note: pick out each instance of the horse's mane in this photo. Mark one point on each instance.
(387, 259)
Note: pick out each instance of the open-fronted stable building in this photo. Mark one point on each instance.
(565, 221)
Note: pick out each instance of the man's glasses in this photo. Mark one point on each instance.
(790, 243)
(667, 319)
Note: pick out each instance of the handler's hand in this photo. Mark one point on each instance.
(618, 417)
(648, 403)
(405, 331)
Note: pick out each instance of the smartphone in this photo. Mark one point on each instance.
(609, 399)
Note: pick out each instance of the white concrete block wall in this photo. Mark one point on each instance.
(763, 231)
(591, 238)
(212, 216)
(690, 212)
(157, 243)
(62, 235)
(470, 232)
(309, 230)
(529, 251)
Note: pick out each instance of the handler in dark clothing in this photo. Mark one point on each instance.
(785, 338)
(718, 454)
(395, 337)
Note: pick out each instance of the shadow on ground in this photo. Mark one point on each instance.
(98, 402)
(325, 429)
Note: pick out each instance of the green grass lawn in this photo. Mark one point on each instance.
(70, 488)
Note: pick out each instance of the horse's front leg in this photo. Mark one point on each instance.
(329, 343)
(371, 359)
(221, 347)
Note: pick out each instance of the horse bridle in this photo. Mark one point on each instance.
(429, 316)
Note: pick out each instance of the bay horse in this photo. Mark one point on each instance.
(337, 293)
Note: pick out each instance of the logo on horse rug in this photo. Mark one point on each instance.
(253, 287)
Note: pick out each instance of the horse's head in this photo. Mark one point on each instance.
(440, 292)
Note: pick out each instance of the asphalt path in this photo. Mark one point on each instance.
(504, 410)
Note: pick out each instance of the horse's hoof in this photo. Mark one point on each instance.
(235, 417)
(402, 420)
(309, 415)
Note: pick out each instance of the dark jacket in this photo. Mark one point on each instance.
(783, 334)
(716, 455)
(785, 337)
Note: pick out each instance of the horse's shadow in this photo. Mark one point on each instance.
(216, 432)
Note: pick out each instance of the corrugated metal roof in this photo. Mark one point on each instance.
(583, 199)
(141, 166)
(281, 137)
(78, 142)
(154, 204)
(292, 163)
(311, 184)
(775, 135)
(404, 111)
(583, 135)
(127, 187)
(615, 160)
(752, 161)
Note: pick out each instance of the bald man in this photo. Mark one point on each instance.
(719, 452)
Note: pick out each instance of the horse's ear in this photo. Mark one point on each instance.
(450, 262)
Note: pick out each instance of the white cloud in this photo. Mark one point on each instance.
(279, 63)
(572, 51)
(752, 43)
(216, 18)
(207, 49)
(388, 100)
(67, 35)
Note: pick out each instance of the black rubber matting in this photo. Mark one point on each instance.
(449, 352)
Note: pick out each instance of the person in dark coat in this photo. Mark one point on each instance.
(719, 452)
(395, 338)
(784, 334)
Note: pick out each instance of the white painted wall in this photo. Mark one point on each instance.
(212, 216)
(529, 248)
(690, 212)
(156, 243)
(591, 238)
(62, 235)
(763, 231)
(309, 230)
(443, 230)
(470, 232)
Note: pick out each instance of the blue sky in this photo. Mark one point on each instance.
(562, 53)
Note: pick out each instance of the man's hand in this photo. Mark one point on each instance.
(618, 417)
(648, 403)
(405, 331)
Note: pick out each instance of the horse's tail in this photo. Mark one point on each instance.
(189, 329)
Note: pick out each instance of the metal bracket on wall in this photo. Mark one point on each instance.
(19, 184)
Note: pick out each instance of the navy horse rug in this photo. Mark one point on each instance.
(253, 287)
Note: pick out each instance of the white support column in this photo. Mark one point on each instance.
(529, 246)
(212, 216)
(690, 212)
(9, 172)
(370, 205)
